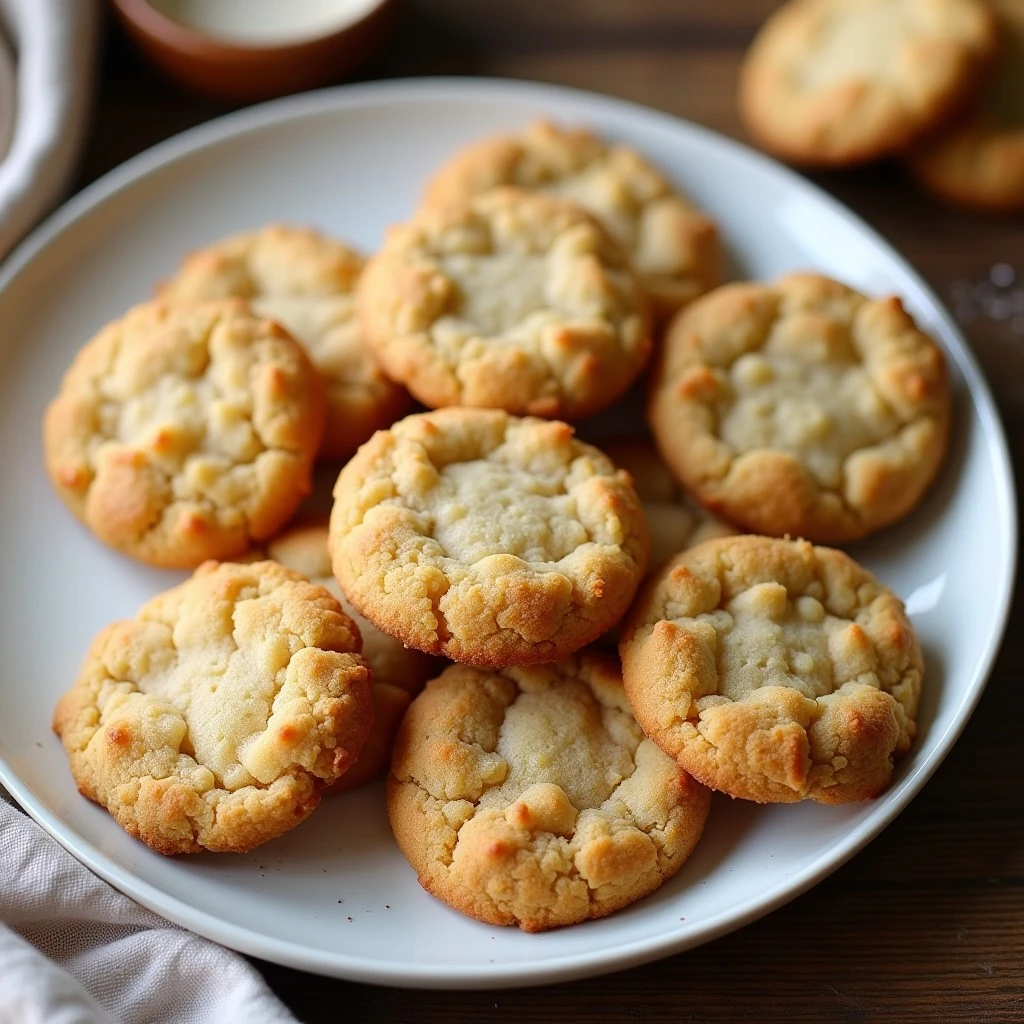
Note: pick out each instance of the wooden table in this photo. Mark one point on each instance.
(927, 923)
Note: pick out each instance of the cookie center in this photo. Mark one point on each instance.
(484, 508)
(765, 637)
(806, 392)
(498, 292)
(557, 736)
(1003, 100)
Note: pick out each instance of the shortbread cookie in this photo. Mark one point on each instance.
(674, 248)
(773, 670)
(185, 433)
(215, 718)
(836, 82)
(675, 521)
(531, 796)
(980, 162)
(306, 282)
(487, 538)
(801, 407)
(399, 672)
(513, 301)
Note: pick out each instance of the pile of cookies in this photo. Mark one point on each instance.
(834, 83)
(555, 651)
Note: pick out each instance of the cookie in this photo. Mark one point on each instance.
(185, 433)
(214, 719)
(513, 301)
(306, 282)
(837, 82)
(801, 407)
(980, 162)
(486, 538)
(531, 796)
(398, 672)
(773, 670)
(674, 248)
(675, 521)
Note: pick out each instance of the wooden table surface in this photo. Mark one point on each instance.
(927, 923)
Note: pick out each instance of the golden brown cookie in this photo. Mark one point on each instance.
(674, 248)
(306, 282)
(185, 433)
(980, 161)
(399, 672)
(214, 719)
(837, 82)
(675, 521)
(514, 301)
(773, 670)
(489, 539)
(531, 796)
(801, 407)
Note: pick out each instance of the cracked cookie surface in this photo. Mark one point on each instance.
(487, 538)
(675, 520)
(399, 672)
(214, 719)
(513, 300)
(980, 161)
(674, 247)
(185, 433)
(532, 797)
(773, 670)
(801, 407)
(306, 282)
(836, 82)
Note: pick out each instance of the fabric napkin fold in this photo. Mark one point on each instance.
(73, 950)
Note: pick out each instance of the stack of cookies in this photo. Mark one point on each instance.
(834, 83)
(555, 651)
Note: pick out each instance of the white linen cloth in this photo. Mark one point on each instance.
(110, 960)
(55, 44)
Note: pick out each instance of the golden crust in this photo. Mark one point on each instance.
(674, 248)
(531, 797)
(185, 433)
(675, 519)
(773, 670)
(801, 407)
(215, 718)
(399, 672)
(306, 282)
(513, 301)
(838, 82)
(487, 538)
(980, 161)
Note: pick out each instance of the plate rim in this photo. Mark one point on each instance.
(575, 965)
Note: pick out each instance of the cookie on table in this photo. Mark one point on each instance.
(837, 82)
(801, 407)
(675, 521)
(531, 797)
(980, 162)
(773, 670)
(306, 282)
(399, 672)
(514, 300)
(486, 538)
(674, 247)
(216, 717)
(185, 433)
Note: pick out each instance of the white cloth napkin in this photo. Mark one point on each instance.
(110, 960)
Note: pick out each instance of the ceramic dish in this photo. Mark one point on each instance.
(335, 895)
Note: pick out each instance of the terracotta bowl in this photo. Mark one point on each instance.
(246, 72)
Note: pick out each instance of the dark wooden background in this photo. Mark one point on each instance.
(927, 923)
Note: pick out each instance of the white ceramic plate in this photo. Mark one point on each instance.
(335, 895)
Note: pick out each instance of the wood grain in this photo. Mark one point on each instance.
(927, 923)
